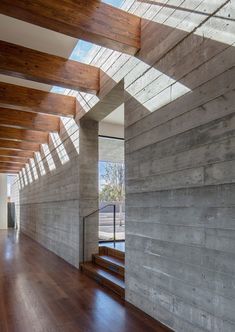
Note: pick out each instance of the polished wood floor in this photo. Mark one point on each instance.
(39, 292)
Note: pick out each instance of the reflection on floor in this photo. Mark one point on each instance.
(120, 245)
(40, 292)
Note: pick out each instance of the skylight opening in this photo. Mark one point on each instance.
(49, 158)
(115, 3)
(81, 51)
(58, 89)
(64, 158)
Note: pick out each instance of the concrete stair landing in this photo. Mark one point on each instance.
(108, 269)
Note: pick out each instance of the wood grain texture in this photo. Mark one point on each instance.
(16, 153)
(23, 135)
(51, 295)
(14, 160)
(41, 67)
(9, 165)
(27, 99)
(14, 145)
(4, 171)
(92, 21)
(29, 120)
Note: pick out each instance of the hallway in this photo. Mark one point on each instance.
(41, 292)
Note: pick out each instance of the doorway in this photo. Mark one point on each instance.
(111, 192)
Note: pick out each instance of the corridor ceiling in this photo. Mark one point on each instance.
(36, 40)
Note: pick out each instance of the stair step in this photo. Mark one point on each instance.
(113, 264)
(112, 252)
(105, 278)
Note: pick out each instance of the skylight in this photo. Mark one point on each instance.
(115, 3)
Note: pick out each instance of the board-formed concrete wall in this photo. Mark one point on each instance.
(51, 207)
(180, 161)
(3, 201)
(180, 202)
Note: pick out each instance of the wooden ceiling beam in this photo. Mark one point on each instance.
(14, 145)
(92, 20)
(41, 67)
(16, 153)
(29, 120)
(5, 171)
(9, 171)
(11, 165)
(23, 135)
(27, 99)
(15, 160)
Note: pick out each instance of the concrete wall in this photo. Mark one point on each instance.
(179, 118)
(15, 198)
(51, 207)
(3, 201)
(180, 201)
(180, 165)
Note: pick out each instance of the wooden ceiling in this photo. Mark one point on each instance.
(27, 115)
(27, 99)
(41, 67)
(91, 20)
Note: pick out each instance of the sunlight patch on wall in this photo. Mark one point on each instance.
(221, 27)
(40, 163)
(184, 15)
(63, 156)
(34, 170)
(72, 130)
(17, 179)
(24, 177)
(154, 89)
(86, 100)
(49, 158)
(29, 173)
(188, 15)
(21, 179)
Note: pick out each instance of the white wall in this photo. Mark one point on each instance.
(111, 129)
(3, 201)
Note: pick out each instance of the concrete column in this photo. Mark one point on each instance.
(88, 185)
(3, 201)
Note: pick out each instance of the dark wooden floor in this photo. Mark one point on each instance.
(39, 292)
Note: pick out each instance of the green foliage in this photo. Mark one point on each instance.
(113, 190)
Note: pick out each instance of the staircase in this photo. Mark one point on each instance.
(108, 269)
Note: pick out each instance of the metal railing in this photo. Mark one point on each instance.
(84, 227)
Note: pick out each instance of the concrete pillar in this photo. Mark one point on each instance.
(3, 201)
(88, 185)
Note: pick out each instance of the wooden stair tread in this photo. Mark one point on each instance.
(112, 259)
(107, 251)
(108, 275)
